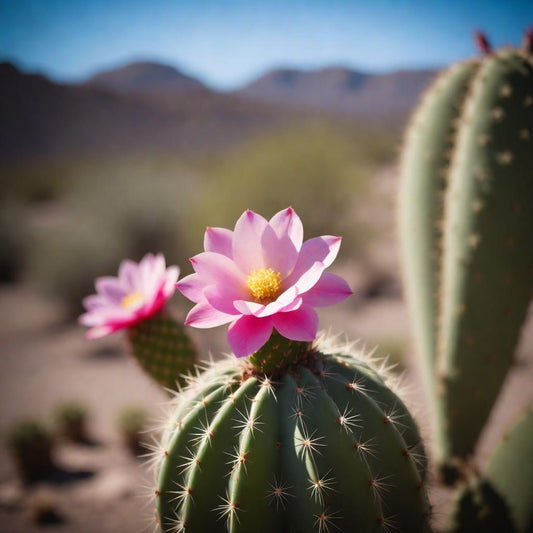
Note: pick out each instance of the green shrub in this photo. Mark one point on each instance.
(71, 420)
(318, 169)
(132, 425)
(31, 444)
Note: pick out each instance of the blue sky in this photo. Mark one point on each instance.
(226, 43)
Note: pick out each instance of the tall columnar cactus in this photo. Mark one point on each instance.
(466, 226)
(320, 445)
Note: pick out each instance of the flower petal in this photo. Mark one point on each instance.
(192, 287)
(279, 252)
(288, 223)
(323, 249)
(219, 240)
(221, 297)
(169, 283)
(204, 315)
(247, 334)
(247, 248)
(100, 331)
(309, 278)
(128, 274)
(330, 289)
(260, 310)
(112, 288)
(217, 269)
(299, 325)
(94, 301)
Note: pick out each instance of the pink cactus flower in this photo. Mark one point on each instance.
(140, 291)
(261, 277)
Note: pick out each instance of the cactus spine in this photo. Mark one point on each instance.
(466, 224)
(321, 445)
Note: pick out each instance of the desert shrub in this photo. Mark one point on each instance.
(318, 169)
(70, 418)
(13, 236)
(31, 444)
(120, 209)
(132, 422)
(64, 263)
(36, 180)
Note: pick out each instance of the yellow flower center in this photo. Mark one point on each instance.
(264, 284)
(131, 299)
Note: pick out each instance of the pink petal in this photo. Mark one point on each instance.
(112, 288)
(260, 310)
(309, 278)
(247, 248)
(330, 289)
(288, 223)
(106, 315)
(217, 269)
(279, 252)
(299, 325)
(95, 301)
(221, 297)
(152, 269)
(128, 274)
(218, 240)
(247, 334)
(192, 287)
(100, 331)
(169, 281)
(323, 249)
(204, 315)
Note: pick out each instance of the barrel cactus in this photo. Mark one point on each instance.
(288, 435)
(321, 444)
(465, 225)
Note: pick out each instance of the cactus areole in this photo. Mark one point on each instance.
(295, 438)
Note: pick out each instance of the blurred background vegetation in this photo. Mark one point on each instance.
(65, 221)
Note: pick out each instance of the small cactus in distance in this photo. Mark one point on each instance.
(465, 225)
(71, 421)
(31, 444)
(132, 423)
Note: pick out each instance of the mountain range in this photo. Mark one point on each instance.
(152, 106)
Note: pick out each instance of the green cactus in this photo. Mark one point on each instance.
(510, 472)
(501, 499)
(320, 444)
(163, 349)
(479, 508)
(466, 224)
